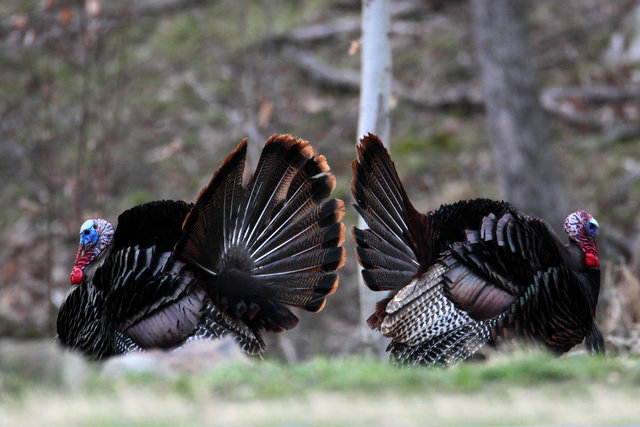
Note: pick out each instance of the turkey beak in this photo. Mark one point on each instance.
(81, 252)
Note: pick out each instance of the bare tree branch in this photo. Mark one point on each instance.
(595, 93)
(465, 98)
(320, 72)
(561, 102)
(327, 75)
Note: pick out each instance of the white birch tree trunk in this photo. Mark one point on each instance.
(375, 93)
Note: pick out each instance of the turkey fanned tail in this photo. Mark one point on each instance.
(271, 242)
(387, 250)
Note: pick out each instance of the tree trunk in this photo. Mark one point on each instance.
(375, 92)
(527, 170)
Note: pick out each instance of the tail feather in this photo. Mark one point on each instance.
(379, 236)
(323, 283)
(370, 256)
(385, 212)
(205, 232)
(380, 178)
(316, 260)
(386, 280)
(273, 241)
(370, 192)
(366, 239)
(387, 251)
(313, 225)
(327, 237)
(281, 159)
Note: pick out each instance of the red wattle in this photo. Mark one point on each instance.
(591, 260)
(76, 275)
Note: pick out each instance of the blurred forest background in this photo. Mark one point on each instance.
(107, 104)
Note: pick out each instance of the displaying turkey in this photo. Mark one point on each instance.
(229, 264)
(470, 273)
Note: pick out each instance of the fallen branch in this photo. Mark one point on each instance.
(325, 74)
(565, 111)
(596, 94)
(622, 131)
(321, 72)
(465, 98)
(561, 101)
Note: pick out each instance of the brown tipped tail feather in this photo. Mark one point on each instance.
(271, 242)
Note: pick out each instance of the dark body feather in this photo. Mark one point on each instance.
(466, 274)
(228, 264)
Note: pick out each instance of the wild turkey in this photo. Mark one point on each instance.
(469, 273)
(229, 264)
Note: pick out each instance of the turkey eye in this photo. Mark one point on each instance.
(592, 228)
(86, 232)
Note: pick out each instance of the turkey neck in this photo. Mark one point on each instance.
(573, 257)
(91, 268)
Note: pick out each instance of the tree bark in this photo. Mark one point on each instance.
(527, 170)
(375, 93)
(375, 89)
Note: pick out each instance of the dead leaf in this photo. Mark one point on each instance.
(264, 113)
(354, 47)
(65, 16)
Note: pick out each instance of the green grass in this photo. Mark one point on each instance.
(530, 387)
(273, 379)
